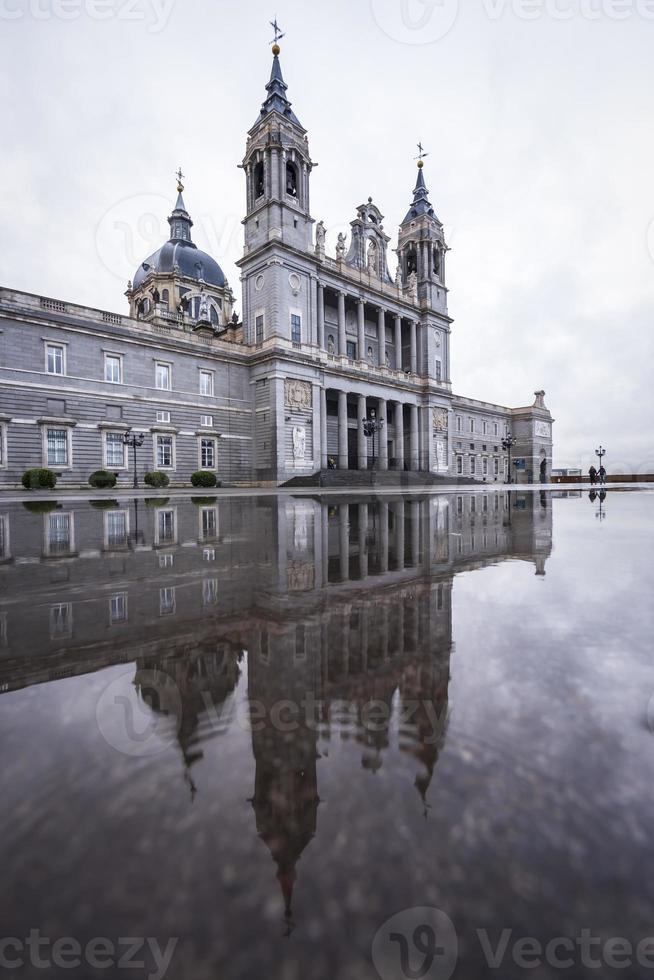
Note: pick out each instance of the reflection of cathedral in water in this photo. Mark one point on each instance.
(336, 614)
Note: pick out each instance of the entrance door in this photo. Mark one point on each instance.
(352, 450)
(543, 471)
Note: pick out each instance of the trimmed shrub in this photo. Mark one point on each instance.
(156, 479)
(203, 479)
(156, 501)
(203, 501)
(103, 480)
(105, 504)
(40, 506)
(39, 479)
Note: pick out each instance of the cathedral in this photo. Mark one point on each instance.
(336, 363)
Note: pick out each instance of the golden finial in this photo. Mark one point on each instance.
(278, 36)
(180, 178)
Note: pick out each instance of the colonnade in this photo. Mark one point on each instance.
(390, 414)
(400, 325)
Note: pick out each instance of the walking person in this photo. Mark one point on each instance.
(592, 473)
(602, 476)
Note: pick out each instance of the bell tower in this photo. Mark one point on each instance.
(421, 247)
(277, 170)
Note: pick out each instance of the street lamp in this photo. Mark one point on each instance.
(600, 453)
(370, 426)
(508, 442)
(135, 440)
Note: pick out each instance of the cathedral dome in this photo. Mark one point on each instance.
(185, 259)
(180, 255)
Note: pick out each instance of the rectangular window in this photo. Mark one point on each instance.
(163, 416)
(439, 371)
(165, 452)
(57, 447)
(296, 328)
(60, 540)
(118, 608)
(471, 424)
(61, 620)
(496, 467)
(209, 591)
(459, 423)
(484, 467)
(459, 464)
(113, 368)
(4, 538)
(166, 561)
(167, 601)
(496, 429)
(206, 383)
(258, 329)
(116, 529)
(351, 350)
(3, 440)
(209, 523)
(206, 421)
(165, 527)
(55, 359)
(473, 465)
(114, 450)
(484, 427)
(163, 376)
(208, 454)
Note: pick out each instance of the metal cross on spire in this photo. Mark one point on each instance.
(180, 177)
(277, 29)
(421, 152)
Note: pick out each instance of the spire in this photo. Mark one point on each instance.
(276, 88)
(421, 204)
(180, 220)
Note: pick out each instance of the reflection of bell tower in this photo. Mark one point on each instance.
(285, 800)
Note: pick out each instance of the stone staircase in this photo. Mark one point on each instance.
(348, 479)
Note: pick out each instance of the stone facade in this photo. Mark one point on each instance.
(325, 344)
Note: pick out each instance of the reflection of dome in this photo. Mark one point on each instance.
(180, 255)
(185, 259)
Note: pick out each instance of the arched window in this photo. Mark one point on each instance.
(259, 180)
(213, 315)
(165, 297)
(411, 261)
(291, 179)
(437, 260)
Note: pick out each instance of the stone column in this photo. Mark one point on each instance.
(399, 534)
(381, 330)
(414, 441)
(344, 541)
(361, 330)
(414, 347)
(398, 343)
(383, 435)
(399, 435)
(363, 545)
(362, 442)
(342, 344)
(324, 527)
(342, 431)
(323, 428)
(321, 316)
(383, 529)
(415, 532)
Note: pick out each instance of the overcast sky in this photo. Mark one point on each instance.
(538, 121)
